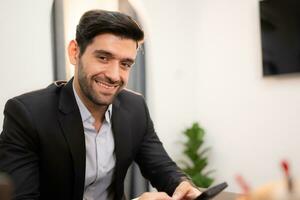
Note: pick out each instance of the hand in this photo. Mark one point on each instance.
(154, 196)
(185, 190)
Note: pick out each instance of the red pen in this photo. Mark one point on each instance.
(243, 184)
(286, 168)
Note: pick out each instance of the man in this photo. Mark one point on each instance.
(76, 140)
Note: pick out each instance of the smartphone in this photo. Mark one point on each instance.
(212, 191)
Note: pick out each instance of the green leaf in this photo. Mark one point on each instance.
(192, 150)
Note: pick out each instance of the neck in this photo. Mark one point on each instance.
(97, 111)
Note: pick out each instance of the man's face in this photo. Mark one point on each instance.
(102, 71)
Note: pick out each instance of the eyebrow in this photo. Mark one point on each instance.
(110, 55)
(103, 53)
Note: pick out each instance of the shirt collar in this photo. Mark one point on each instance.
(85, 113)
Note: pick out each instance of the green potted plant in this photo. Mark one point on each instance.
(196, 154)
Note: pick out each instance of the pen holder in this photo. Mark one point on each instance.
(277, 190)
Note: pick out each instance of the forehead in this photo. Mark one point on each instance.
(116, 45)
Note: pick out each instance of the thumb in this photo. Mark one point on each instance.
(180, 191)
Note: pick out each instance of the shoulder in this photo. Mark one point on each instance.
(131, 101)
(130, 97)
(41, 97)
(127, 93)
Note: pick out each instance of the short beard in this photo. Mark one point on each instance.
(87, 89)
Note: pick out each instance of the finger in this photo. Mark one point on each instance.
(181, 190)
(162, 196)
(193, 193)
(155, 196)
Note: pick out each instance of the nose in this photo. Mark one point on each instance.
(113, 71)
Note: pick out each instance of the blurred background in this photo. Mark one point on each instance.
(202, 62)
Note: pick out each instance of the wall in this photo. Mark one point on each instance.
(252, 122)
(205, 65)
(171, 78)
(26, 47)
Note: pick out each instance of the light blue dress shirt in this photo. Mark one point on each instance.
(100, 157)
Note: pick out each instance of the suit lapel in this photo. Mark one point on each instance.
(123, 146)
(71, 123)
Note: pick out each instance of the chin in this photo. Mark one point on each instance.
(104, 101)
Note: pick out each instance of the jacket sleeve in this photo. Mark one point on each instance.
(155, 163)
(19, 150)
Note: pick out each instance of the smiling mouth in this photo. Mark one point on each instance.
(106, 85)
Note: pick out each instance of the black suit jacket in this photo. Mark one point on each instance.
(42, 145)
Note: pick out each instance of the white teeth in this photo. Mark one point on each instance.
(105, 86)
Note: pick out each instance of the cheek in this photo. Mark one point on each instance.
(92, 66)
(125, 76)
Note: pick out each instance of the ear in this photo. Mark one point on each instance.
(73, 52)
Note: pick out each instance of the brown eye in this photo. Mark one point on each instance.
(127, 64)
(103, 58)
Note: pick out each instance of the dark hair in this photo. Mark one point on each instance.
(96, 22)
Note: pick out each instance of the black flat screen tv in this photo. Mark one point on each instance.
(280, 36)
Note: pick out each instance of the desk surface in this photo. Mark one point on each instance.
(226, 196)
